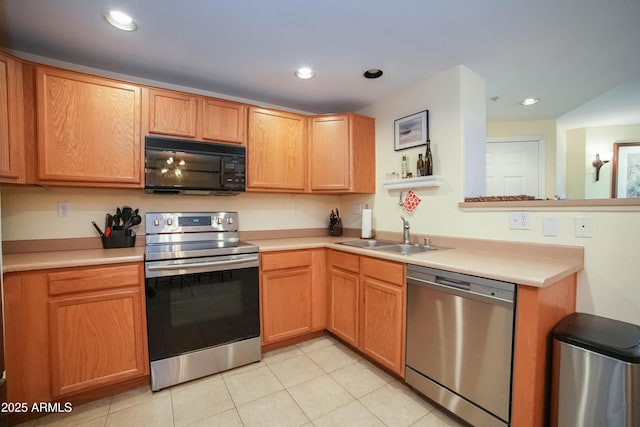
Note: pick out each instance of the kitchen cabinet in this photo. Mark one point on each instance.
(224, 121)
(86, 330)
(12, 161)
(343, 295)
(538, 310)
(276, 151)
(172, 113)
(382, 332)
(292, 294)
(366, 306)
(342, 154)
(88, 130)
(186, 115)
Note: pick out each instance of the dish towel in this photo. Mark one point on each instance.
(411, 202)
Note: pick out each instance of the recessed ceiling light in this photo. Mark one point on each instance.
(120, 20)
(529, 101)
(373, 73)
(305, 73)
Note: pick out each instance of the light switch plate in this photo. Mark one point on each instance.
(550, 226)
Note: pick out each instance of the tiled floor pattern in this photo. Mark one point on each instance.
(315, 383)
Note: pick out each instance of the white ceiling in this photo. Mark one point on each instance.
(565, 52)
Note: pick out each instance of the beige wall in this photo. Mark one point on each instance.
(32, 212)
(544, 128)
(609, 284)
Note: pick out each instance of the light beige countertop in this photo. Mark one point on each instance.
(529, 264)
(61, 259)
(521, 263)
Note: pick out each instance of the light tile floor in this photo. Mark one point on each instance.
(319, 383)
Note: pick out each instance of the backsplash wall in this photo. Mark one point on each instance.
(30, 212)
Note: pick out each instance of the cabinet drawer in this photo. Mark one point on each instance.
(344, 261)
(387, 271)
(93, 279)
(282, 260)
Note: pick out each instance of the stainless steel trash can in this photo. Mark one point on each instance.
(596, 372)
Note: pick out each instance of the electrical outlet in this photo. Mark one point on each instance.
(64, 209)
(356, 209)
(519, 221)
(584, 226)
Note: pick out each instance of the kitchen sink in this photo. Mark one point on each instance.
(388, 246)
(405, 249)
(372, 244)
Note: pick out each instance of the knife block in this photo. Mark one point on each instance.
(119, 239)
(335, 229)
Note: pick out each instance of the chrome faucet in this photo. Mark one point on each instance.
(405, 231)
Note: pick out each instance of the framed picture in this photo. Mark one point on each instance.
(626, 170)
(411, 131)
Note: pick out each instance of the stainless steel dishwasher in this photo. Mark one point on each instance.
(460, 343)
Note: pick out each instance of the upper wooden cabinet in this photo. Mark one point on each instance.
(88, 130)
(173, 113)
(276, 151)
(196, 117)
(12, 166)
(224, 121)
(342, 154)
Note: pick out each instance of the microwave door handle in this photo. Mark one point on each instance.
(222, 169)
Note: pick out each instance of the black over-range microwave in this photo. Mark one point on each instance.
(181, 166)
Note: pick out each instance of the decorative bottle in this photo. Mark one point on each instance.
(420, 166)
(404, 166)
(428, 160)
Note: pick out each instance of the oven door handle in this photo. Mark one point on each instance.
(225, 262)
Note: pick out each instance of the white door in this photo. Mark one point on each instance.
(513, 168)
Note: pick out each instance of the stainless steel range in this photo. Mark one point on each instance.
(202, 296)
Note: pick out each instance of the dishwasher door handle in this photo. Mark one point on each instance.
(465, 286)
(456, 288)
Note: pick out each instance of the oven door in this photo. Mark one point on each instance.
(200, 303)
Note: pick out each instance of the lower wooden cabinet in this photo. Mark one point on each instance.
(344, 292)
(292, 294)
(71, 331)
(366, 306)
(383, 319)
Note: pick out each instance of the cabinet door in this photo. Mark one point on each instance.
(26, 337)
(276, 151)
(382, 335)
(88, 130)
(11, 121)
(342, 317)
(173, 113)
(286, 304)
(224, 121)
(96, 339)
(329, 153)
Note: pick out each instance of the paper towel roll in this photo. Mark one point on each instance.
(366, 223)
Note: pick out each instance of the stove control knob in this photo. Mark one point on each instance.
(156, 222)
(219, 220)
(229, 220)
(169, 222)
